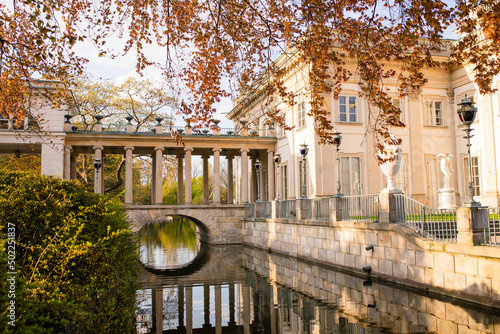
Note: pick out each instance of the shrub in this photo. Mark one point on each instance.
(75, 257)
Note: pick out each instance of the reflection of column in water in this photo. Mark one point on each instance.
(231, 323)
(189, 310)
(272, 299)
(246, 309)
(157, 304)
(256, 323)
(206, 300)
(218, 310)
(180, 301)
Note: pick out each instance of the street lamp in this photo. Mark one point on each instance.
(337, 139)
(467, 114)
(97, 166)
(277, 161)
(303, 151)
(257, 169)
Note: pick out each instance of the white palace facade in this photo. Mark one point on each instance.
(432, 128)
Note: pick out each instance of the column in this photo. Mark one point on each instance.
(232, 322)
(230, 185)
(67, 163)
(180, 179)
(270, 175)
(188, 193)
(159, 175)
(128, 174)
(153, 178)
(246, 309)
(253, 180)
(159, 310)
(218, 310)
(217, 175)
(244, 175)
(72, 173)
(206, 190)
(189, 310)
(98, 174)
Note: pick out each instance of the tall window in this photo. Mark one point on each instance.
(302, 173)
(397, 104)
(434, 112)
(475, 175)
(348, 110)
(350, 168)
(284, 181)
(281, 128)
(435, 180)
(301, 114)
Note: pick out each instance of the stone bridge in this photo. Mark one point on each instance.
(217, 223)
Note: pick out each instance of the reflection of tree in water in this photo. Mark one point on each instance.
(168, 244)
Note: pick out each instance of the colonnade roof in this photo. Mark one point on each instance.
(145, 143)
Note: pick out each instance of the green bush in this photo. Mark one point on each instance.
(75, 257)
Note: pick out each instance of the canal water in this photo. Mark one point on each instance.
(191, 287)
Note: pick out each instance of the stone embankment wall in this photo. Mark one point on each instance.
(399, 254)
(363, 302)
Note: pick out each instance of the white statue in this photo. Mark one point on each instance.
(446, 168)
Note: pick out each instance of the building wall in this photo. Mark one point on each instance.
(422, 140)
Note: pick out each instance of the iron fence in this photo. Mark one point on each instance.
(360, 208)
(287, 209)
(439, 225)
(492, 230)
(264, 209)
(316, 208)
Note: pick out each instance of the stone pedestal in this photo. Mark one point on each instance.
(446, 199)
(471, 223)
(387, 205)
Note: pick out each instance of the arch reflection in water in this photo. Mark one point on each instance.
(169, 244)
(244, 290)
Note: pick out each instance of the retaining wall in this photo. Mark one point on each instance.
(399, 254)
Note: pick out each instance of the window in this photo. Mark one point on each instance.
(281, 128)
(301, 114)
(350, 179)
(303, 178)
(348, 110)
(475, 176)
(284, 181)
(435, 180)
(397, 104)
(434, 112)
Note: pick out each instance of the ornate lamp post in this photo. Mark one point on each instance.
(277, 161)
(97, 166)
(303, 151)
(337, 139)
(257, 169)
(467, 114)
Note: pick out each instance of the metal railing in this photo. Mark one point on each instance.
(249, 210)
(264, 209)
(316, 208)
(360, 208)
(287, 209)
(439, 225)
(492, 230)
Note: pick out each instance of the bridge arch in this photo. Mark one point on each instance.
(217, 224)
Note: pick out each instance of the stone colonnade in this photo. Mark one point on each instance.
(247, 185)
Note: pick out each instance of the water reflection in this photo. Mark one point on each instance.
(244, 290)
(170, 244)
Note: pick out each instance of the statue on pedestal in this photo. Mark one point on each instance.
(446, 194)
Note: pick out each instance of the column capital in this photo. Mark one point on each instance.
(159, 148)
(126, 148)
(244, 150)
(188, 149)
(68, 148)
(97, 147)
(217, 150)
(179, 155)
(270, 151)
(205, 156)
